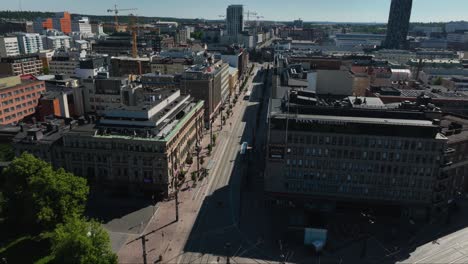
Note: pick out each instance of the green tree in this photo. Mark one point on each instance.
(45, 70)
(58, 195)
(197, 35)
(81, 241)
(438, 81)
(38, 194)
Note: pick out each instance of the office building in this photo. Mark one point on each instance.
(121, 44)
(452, 27)
(97, 28)
(18, 98)
(90, 67)
(121, 66)
(209, 84)
(57, 42)
(41, 24)
(324, 156)
(9, 46)
(235, 20)
(21, 65)
(63, 64)
(165, 65)
(352, 40)
(81, 25)
(62, 22)
(12, 26)
(398, 24)
(29, 42)
(136, 149)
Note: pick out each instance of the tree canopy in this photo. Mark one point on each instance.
(81, 241)
(35, 193)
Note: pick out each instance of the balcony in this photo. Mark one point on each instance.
(447, 164)
(449, 151)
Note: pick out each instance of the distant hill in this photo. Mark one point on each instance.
(32, 15)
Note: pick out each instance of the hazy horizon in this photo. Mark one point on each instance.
(336, 11)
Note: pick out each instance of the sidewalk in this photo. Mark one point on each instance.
(163, 236)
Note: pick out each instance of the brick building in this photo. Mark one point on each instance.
(18, 98)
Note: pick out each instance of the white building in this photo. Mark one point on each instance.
(235, 20)
(57, 42)
(354, 40)
(457, 37)
(81, 25)
(9, 46)
(29, 42)
(455, 26)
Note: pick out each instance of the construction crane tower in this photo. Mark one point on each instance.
(116, 11)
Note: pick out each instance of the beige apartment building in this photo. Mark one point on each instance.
(136, 149)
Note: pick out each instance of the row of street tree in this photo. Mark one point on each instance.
(37, 199)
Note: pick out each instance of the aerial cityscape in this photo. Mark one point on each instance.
(222, 132)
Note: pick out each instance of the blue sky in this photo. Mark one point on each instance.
(278, 10)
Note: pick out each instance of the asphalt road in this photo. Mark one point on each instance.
(216, 231)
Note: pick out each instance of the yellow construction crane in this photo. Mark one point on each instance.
(116, 11)
(134, 28)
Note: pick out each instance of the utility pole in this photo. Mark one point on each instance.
(177, 204)
(227, 246)
(143, 245)
(197, 149)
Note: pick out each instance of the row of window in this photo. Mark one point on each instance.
(364, 155)
(16, 115)
(336, 177)
(390, 194)
(376, 168)
(20, 91)
(362, 142)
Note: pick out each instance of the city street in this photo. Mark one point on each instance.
(211, 208)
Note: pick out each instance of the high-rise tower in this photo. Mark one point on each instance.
(235, 19)
(398, 24)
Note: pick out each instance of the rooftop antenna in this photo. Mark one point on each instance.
(20, 5)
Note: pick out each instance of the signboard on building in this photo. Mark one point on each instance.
(316, 238)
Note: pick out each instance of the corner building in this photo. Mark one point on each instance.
(327, 158)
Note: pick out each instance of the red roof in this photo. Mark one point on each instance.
(28, 77)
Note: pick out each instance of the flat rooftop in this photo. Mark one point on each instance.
(362, 120)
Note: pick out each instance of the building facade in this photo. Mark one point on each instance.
(62, 22)
(398, 24)
(235, 20)
(81, 25)
(30, 42)
(18, 98)
(21, 65)
(134, 150)
(57, 42)
(329, 158)
(121, 66)
(9, 46)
